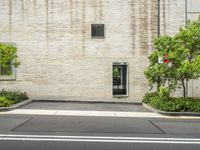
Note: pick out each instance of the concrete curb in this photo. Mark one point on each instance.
(171, 113)
(85, 101)
(23, 103)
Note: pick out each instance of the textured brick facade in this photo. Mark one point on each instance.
(59, 57)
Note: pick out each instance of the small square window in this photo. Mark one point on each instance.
(97, 30)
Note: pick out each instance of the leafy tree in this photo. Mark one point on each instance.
(183, 51)
(189, 38)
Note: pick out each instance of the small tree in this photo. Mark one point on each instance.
(183, 52)
(166, 72)
(189, 38)
(8, 57)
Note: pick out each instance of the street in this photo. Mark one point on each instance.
(49, 145)
(51, 132)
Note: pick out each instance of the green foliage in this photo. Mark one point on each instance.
(164, 92)
(14, 96)
(4, 102)
(116, 72)
(166, 73)
(173, 104)
(8, 55)
(183, 51)
(147, 97)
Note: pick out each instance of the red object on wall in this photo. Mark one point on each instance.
(166, 58)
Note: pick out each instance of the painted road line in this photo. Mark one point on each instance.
(96, 137)
(99, 139)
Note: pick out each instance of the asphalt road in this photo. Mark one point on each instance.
(26, 132)
(33, 145)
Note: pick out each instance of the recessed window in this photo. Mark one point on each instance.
(7, 72)
(97, 30)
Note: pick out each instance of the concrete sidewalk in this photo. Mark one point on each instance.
(82, 109)
(86, 109)
(82, 113)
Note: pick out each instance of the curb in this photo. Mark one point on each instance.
(196, 114)
(20, 104)
(85, 101)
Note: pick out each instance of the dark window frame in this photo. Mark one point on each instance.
(119, 89)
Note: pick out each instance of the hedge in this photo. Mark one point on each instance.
(172, 104)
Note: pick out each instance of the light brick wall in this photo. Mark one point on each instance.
(172, 16)
(59, 57)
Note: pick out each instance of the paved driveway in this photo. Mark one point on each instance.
(85, 106)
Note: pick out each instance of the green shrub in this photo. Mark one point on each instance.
(147, 97)
(5, 102)
(15, 96)
(172, 104)
(164, 92)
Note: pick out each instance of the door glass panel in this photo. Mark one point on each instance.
(119, 79)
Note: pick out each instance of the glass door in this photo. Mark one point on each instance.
(120, 79)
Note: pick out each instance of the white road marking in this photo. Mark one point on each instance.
(99, 139)
(96, 137)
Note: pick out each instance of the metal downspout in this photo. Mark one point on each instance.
(158, 18)
(158, 30)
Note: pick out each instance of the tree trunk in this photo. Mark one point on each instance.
(158, 84)
(187, 87)
(184, 88)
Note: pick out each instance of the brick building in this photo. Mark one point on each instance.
(76, 49)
